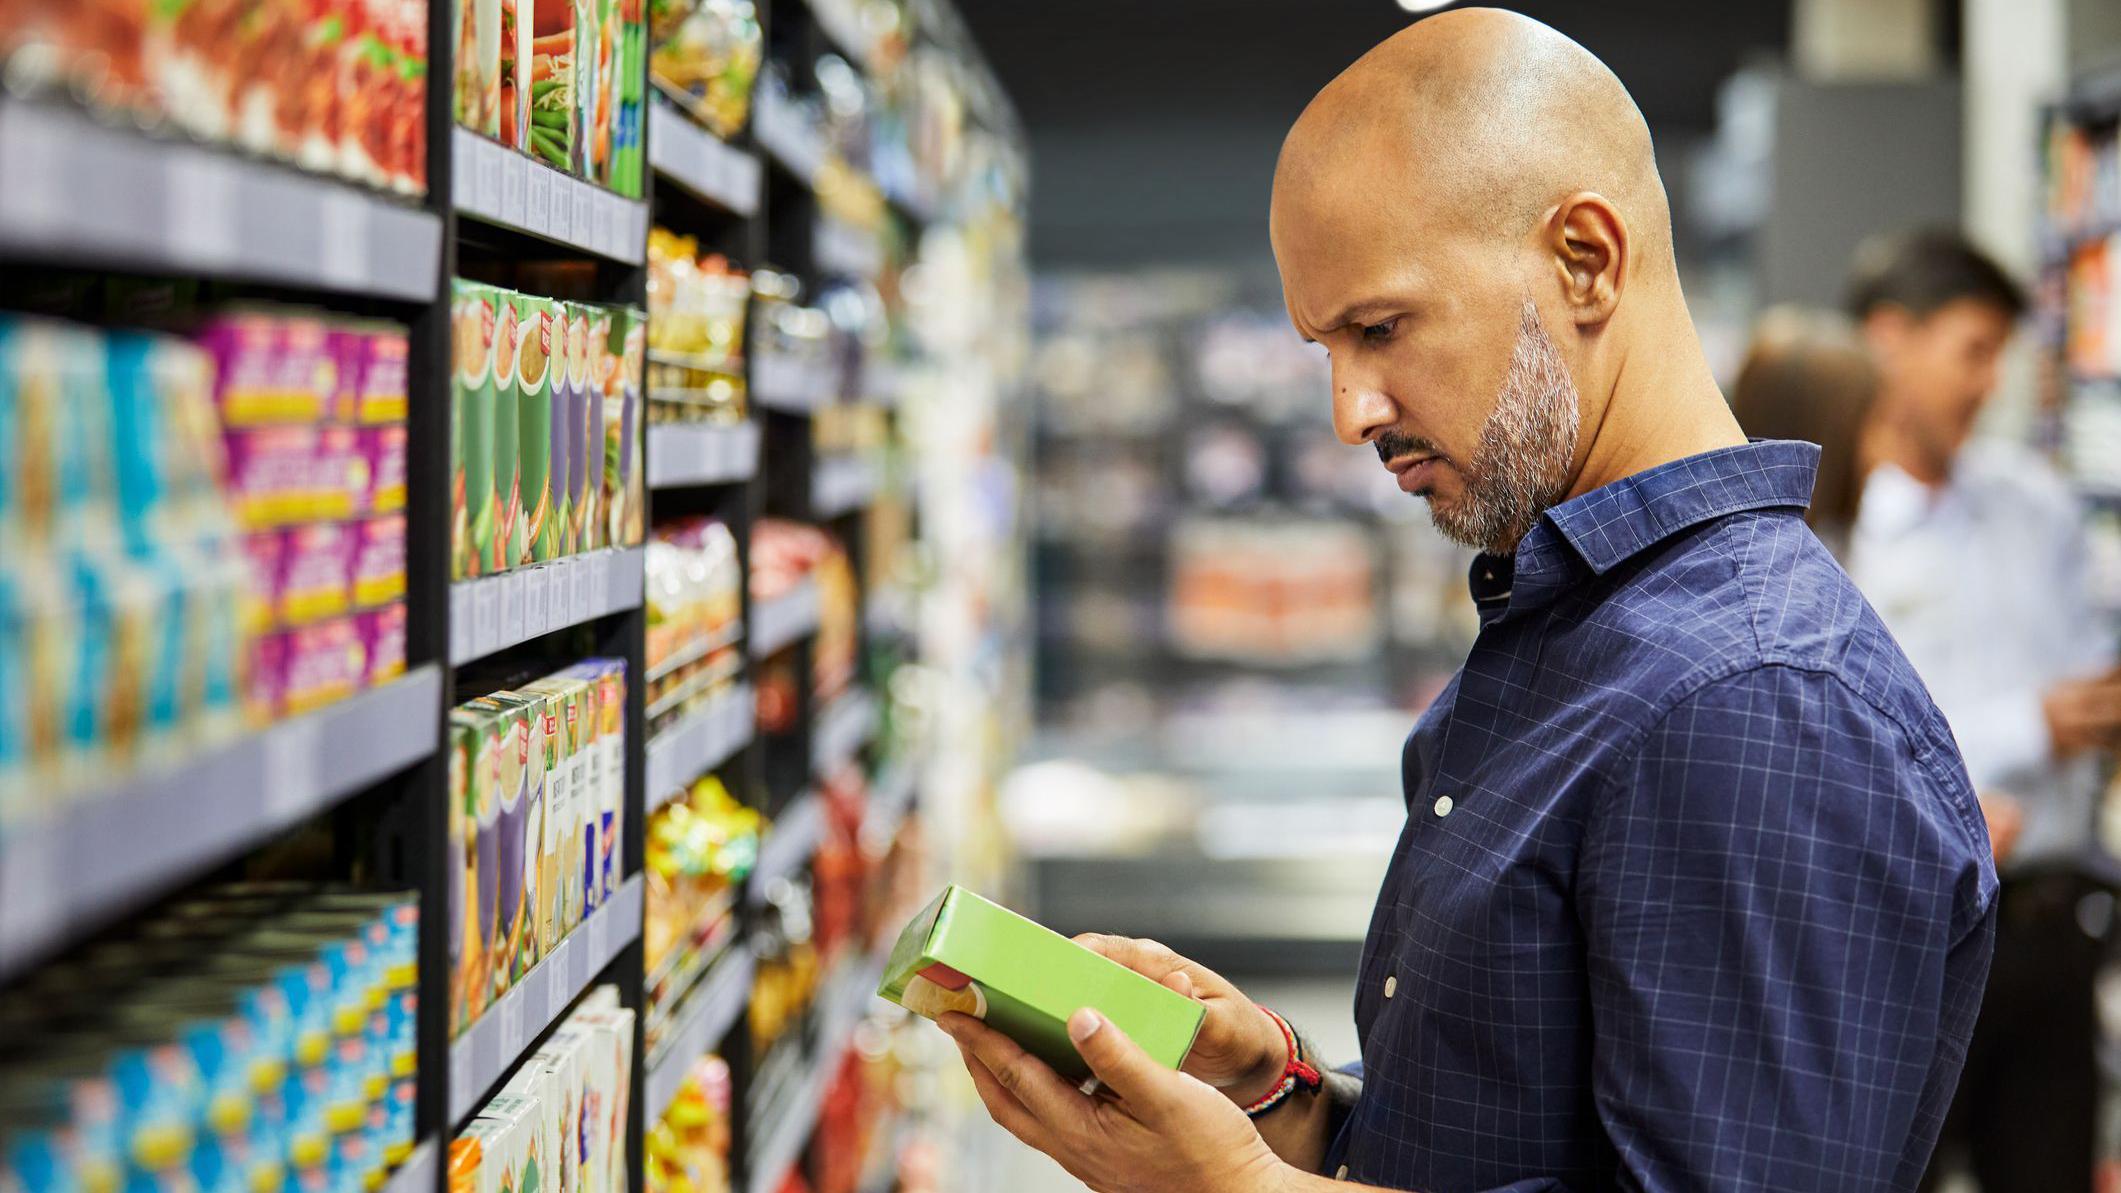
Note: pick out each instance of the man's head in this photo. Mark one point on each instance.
(1470, 220)
(1936, 313)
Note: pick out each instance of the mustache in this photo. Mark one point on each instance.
(1391, 445)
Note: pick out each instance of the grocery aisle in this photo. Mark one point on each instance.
(480, 501)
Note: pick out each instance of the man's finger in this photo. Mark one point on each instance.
(1044, 1093)
(1003, 1107)
(1180, 981)
(1121, 1065)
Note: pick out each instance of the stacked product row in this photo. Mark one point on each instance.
(253, 1036)
(546, 444)
(332, 86)
(560, 1122)
(695, 333)
(561, 80)
(701, 847)
(694, 593)
(536, 816)
(688, 1151)
(707, 54)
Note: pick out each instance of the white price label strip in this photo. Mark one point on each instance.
(512, 630)
(486, 185)
(202, 208)
(515, 180)
(343, 243)
(486, 617)
(460, 638)
(510, 1009)
(536, 586)
(293, 769)
(559, 981)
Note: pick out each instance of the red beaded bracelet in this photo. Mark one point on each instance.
(1296, 1074)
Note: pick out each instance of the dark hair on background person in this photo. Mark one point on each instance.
(1924, 270)
(1806, 376)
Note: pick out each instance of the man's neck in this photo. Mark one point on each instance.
(1884, 442)
(1664, 406)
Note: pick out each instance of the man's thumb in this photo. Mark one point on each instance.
(1118, 1062)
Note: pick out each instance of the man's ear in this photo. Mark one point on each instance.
(1886, 328)
(1591, 253)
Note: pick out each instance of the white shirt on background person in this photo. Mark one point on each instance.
(1983, 582)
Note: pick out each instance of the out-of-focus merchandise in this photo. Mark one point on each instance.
(783, 555)
(700, 848)
(536, 816)
(313, 416)
(839, 871)
(560, 80)
(688, 1151)
(545, 452)
(332, 86)
(252, 1036)
(707, 54)
(790, 972)
(696, 307)
(1291, 593)
(560, 1122)
(795, 337)
(694, 594)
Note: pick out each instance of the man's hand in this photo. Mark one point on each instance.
(1167, 1132)
(2084, 714)
(1239, 1050)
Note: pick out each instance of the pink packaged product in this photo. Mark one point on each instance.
(265, 688)
(315, 561)
(336, 480)
(306, 373)
(378, 561)
(381, 634)
(270, 473)
(324, 665)
(379, 468)
(348, 348)
(383, 387)
(252, 378)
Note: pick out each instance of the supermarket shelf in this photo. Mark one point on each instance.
(843, 728)
(700, 162)
(705, 739)
(496, 612)
(785, 619)
(842, 23)
(789, 843)
(686, 454)
(483, 1055)
(417, 1174)
(846, 1002)
(887, 611)
(842, 248)
(842, 484)
(790, 386)
(500, 186)
(91, 194)
(712, 1008)
(64, 877)
(780, 130)
(890, 802)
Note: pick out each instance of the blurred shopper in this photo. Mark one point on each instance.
(1973, 552)
(1807, 377)
(1693, 892)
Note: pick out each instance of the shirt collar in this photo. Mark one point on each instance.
(1605, 527)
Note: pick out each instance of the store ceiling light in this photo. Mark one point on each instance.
(1424, 5)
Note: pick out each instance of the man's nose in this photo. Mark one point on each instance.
(1361, 409)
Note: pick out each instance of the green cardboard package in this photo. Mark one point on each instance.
(963, 953)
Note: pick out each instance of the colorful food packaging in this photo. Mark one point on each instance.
(608, 1055)
(963, 953)
(568, 796)
(323, 665)
(607, 677)
(597, 379)
(379, 469)
(552, 134)
(519, 836)
(540, 346)
(559, 528)
(377, 559)
(581, 362)
(625, 489)
(475, 329)
(380, 634)
(314, 562)
(382, 389)
(509, 542)
(476, 747)
(478, 61)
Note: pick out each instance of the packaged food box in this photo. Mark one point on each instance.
(510, 340)
(560, 1057)
(624, 479)
(271, 474)
(551, 134)
(964, 953)
(595, 533)
(376, 561)
(258, 381)
(474, 504)
(314, 562)
(577, 389)
(379, 463)
(382, 390)
(607, 677)
(540, 347)
(335, 479)
(478, 62)
(515, 72)
(559, 528)
(380, 634)
(573, 802)
(520, 833)
(474, 868)
(608, 1056)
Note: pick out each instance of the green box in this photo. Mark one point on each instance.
(1025, 979)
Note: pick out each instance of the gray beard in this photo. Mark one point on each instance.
(1520, 466)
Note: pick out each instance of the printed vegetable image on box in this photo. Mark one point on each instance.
(478, 83)
(552, 135)
(963, 953)
(540, 345)
(512, 329)
(474, 506)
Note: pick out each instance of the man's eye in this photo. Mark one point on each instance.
(1377, 333)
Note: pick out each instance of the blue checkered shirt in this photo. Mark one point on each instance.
(1693, 892)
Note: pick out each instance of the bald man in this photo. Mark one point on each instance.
(1693, 892)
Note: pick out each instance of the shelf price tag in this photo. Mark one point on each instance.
(585, 206)
(510, 1010)
(581, 606)
(293, 780)
(485, 617)
(512, 630)
(599, 933)
(342, 230)
(29, 905)
(459, 1083)
(560, 984)
(202, 208)
(537, 586)
(460, 640)
(515, 180)
(486, 180)
(540, 214)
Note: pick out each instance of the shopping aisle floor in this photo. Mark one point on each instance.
(1323, 1007)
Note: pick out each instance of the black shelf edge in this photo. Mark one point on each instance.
(493, 613)
(784, 620)
(90, 193)
(491, 1047)
(64, 877)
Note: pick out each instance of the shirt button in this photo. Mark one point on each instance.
(1391, 984)
(1443, 805)
(1341, 1173)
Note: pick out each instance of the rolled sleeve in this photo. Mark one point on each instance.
(1787, 918)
